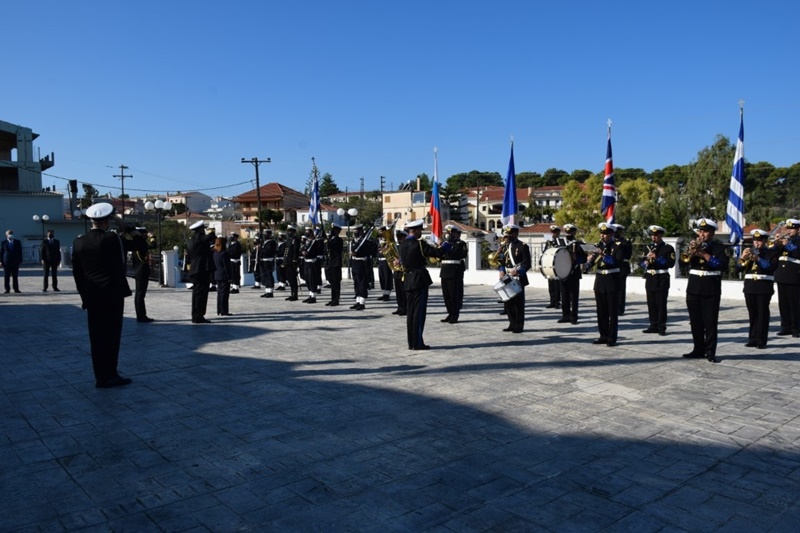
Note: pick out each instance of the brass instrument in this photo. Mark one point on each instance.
(596, 257)
(696, 247)
(496, 258)
(649, 248)
(390, 249)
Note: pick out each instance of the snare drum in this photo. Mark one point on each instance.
(507, 288)
(556, 263)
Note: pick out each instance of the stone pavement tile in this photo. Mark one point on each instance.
(637, 522)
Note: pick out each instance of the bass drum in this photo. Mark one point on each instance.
(507, 288)
(556, 263)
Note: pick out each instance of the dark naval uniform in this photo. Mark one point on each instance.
(553, 285)
(398, 274)
(360, 262)
(235, 264)
(787, 276)
(607, 285)
(624, 269)
(312, 257)
(703, 293)
(571, 285)
(516, 255)
(758, 269)
(280, 273)
(291, 258)
(385, 277)
(656, 284)
(140, 259)
(413, 256)
(333, 267)
(50, 255)
(266, 262)
(451, 272)
(201, 269)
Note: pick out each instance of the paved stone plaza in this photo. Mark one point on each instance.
(296, 417)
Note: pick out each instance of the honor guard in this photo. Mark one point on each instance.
(385, 277)
(787, 276)
(291, 260)
(362, 249)
(451, 273)
(141, 244)
(333, 264)
(625, 267)
(607, 261)
(707, 261)
(413, 256)
(397, 272)
(313, 254)
(554, 285)
(50, 256)
(252, 264)
(266, 261)
(235, 266)
(571, 285)
(758, 265)
(516, 262)
(656, 264)
(280, 273)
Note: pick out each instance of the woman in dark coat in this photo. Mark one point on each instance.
(222, 276)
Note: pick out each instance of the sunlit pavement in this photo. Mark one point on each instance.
(301, 417)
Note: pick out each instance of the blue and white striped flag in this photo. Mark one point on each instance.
(314, 207)
(734, 216)
(509, 213)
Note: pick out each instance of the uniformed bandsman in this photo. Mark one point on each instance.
(707, 260)
(451, 272)
(266, 261)
(201, 263)
(235, 253)
(554, 285)
(625, 267)
(253, 264)
(758, 265)
(658, 261)
(516, 262)
(397, 273)
(333, 264)
(787, 276)
(314, 250)
(280, 273)
(141, 244)
(571, 285)
(385, 277)
(607, 261)
(362, 249)
(414, 252)
(291, 259)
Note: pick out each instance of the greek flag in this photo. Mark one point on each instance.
(734, 216)
(314, 208)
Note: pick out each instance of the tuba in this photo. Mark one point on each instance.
(495, 258)
(389, 249)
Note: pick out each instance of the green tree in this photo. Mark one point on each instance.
(89, 194)
(581, 206)
(327, 186)
(529, 179)
(709, 180)
(580, 175)
(474, 178)
(555, 176)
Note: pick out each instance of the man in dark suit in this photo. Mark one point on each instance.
(50, 255)
(451, 273)
(333, 264)
(201, 267)
(140, 259)
(10, 259)
(608, 261)
(99, 269)
(656, 264)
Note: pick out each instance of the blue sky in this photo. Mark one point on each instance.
(180, 91)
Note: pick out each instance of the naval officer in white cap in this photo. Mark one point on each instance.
(99, 269)
(201, 268)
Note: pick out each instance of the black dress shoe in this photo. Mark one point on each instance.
(446, 319)
(397, 312)
(291, 299)
(796, 334)
(711, 358)
(516, 330)
(782, 332)
(509, 328)
(454, 320)
(751, 344)
(662, 332)
(422, 347)
(234, 291)
(562, 320)
(402, 314)
(693, 355)
(118, 381)
(650, 330)
(145, 319)
(201, 321)
(573, 322)
(17, 290)
(611, 344)
(255, 287)
(280, 288)
(761, 346)
(334, 303)
(310, 301)
(551, 306)
(601, 340)
(55, 289)
(44, 290)
(503, 312)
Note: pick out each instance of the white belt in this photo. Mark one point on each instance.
(451, 262)
(320, 257)
(310, 260)
(694, 272)
(236, 260)
(604, 271)
(759, 277)
(381, 259)
(358, 258)
(790, 259)
(269, 259)
(654, 272)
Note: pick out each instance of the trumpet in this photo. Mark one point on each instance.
(650, 248)
(696, 247)
(495, 258)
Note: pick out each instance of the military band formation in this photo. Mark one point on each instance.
(279, 264)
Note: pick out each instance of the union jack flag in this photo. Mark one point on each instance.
(609, 188)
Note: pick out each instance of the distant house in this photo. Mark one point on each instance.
(274, 196)
(195, 201)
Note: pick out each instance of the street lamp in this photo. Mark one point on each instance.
(160, 206)
(43, 219)
(81, 213)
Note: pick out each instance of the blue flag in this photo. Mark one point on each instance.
(510, 195)
(734, 215)
(314, 207)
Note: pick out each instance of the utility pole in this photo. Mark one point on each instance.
(256, 162)
(122, 176)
